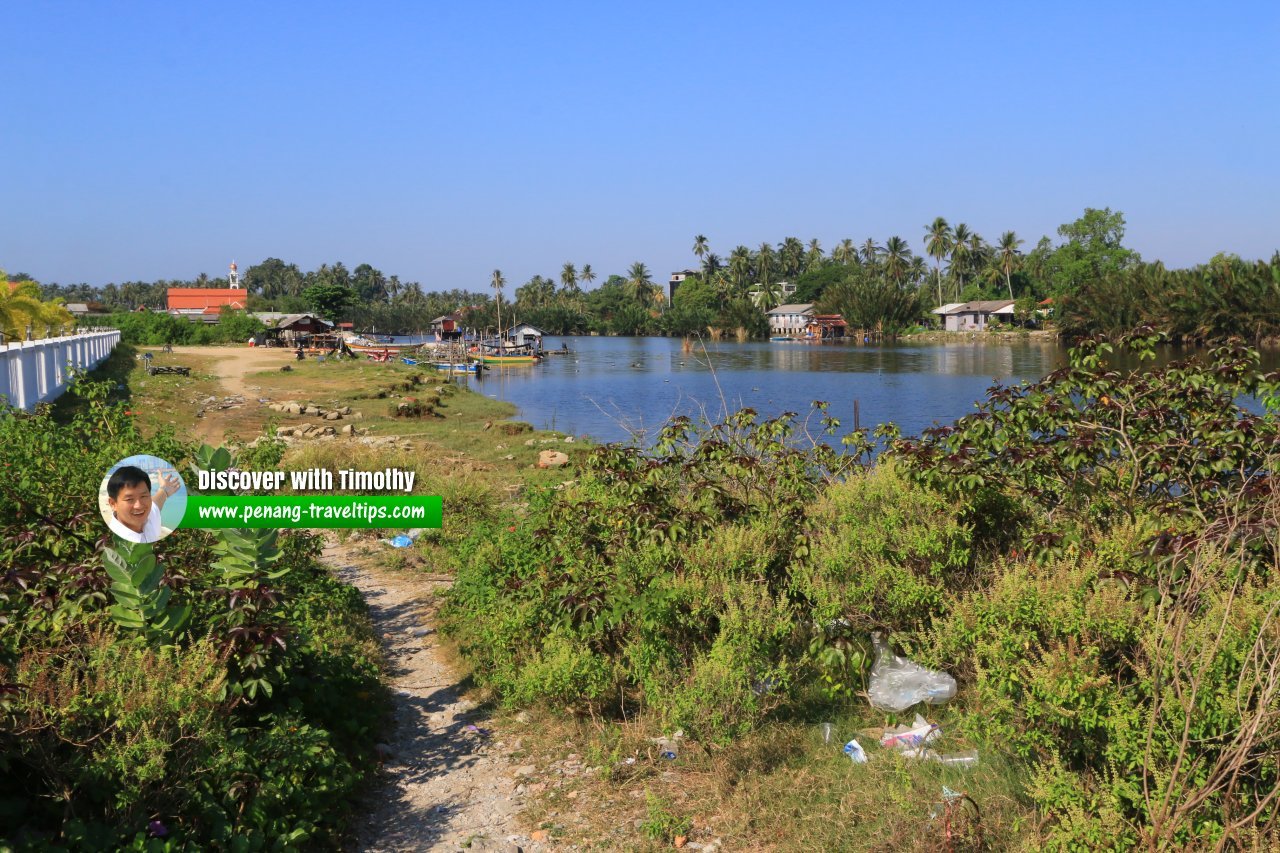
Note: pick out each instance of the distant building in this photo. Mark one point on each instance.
(826, 327)
(975, 316)
(674, 283)
(791, 320)
(205, 302)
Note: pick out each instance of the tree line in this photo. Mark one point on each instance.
(1088, 280)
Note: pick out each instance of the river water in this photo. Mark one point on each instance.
(619, 389)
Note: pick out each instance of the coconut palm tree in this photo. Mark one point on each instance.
(813, 256)
(845, 253)
(791, 255)
(764, 264)
(640, 284)
(740, 269)
(497, 282)
(870, 252)
(896, 257)
(587, 275)
(700, 247)
(937, 243)
(1009, 257)
(711, 264)
(569, 277)
(960, 253)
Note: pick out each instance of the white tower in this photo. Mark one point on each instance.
(233, 278)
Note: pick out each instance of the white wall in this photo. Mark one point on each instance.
(36, 371)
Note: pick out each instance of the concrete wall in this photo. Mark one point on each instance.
(36, 371)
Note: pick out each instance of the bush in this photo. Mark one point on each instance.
(249, 725)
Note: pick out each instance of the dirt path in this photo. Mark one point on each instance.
(447, 782)
(232, 364)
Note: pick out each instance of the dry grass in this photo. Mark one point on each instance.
(781, 789)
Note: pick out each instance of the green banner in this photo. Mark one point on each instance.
(216, 511)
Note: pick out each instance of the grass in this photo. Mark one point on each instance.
(780, 789)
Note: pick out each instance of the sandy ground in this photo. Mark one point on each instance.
(232, 364)
(447, 783)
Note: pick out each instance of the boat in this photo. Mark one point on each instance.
(473, 367)
(492, 353)
(366, 345)
(782, 338)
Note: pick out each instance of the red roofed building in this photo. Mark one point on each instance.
(207, 299)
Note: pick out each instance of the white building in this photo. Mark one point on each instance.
(790, 319)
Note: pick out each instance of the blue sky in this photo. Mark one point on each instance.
(439, 142)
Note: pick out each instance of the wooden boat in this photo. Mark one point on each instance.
(365, 345)
(782, 338)
(508, 354)
(472, 367)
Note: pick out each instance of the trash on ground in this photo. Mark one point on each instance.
(914, 736)
(968, 758)
(898, 683)
(404, 540)
(472, 727)
(668, 749)
(828, 732)
(853, 749)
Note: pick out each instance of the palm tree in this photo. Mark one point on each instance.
(587, 275)
(740, 269)
(764, 265)
(791, 253)
(711, 264)
(497, 282)
(938, 242)
(21, 306)
(1009, 257)
(844, 253)
(870, 252)
(700, 247)
(640, 283)
(813, 256)
(960, 239)
(897, 256)
(569, 277)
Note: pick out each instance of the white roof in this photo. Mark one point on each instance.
(799, 308)
(946, 309)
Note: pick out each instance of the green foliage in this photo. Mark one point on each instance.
(153, 328)
(660, 823)
(142, 604)
(245, 721)
(329, 299)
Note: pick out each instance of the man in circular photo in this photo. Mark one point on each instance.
(133, 507)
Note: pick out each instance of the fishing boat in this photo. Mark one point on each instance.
(495, 353)
(782, 338)
(368, 344)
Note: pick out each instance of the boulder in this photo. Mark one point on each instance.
(552, 459)
(332, 416)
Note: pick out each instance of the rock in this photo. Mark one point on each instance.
(332, 416)
(568, 439)
(311, 410)
(539, 835)
(329, 431)
(526, 770)
(420, 632)
(508, 457)
(357, 416)
(293, 408)
(345, 410)
(680, 841)
(530, 443)
(552, 459)
(284, 430)
(348, 429)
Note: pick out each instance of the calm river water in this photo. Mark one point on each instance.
(615, 389)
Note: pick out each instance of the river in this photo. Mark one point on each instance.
(619, 389)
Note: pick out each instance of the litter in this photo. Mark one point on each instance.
(404, 540)
(476, 730)
(853, 749)
(905, 737)
(898, 683)
(828, 730)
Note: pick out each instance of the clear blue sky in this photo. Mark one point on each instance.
(437, 142)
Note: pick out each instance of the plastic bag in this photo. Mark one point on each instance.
(853, 749)
(910, 737)
(898, 683)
